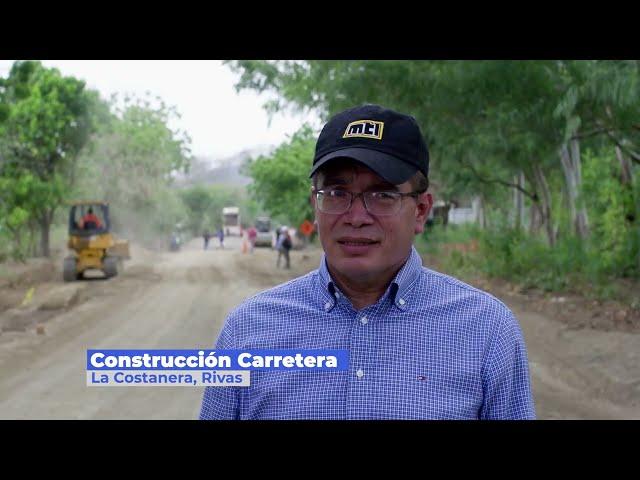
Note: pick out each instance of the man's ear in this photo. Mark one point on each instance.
(312, 201)
(312, 197)
(424, 203)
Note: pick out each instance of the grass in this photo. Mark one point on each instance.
(570, 267)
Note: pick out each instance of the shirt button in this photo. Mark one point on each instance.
(327, 305)
(364, 320)
(360, 373)
(401, 301)
(337, 294)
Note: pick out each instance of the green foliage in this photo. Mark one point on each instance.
(204, 206)
(482, 120)
(25, 197)
(515, 256)
(44, 123)
(432, 239)
(510, 254)
(130, 162)
(59, 142)
(615, 241)
(487, 121)
(170, 212)
(281, 181)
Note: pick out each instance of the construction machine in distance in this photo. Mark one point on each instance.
(231, 221)
(92, 245)
(265, 236)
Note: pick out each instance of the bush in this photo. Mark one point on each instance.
(614, 244)
(611, 251)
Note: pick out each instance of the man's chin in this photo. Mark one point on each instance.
(360, 265)
(362, 250)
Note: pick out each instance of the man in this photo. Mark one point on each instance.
(221, 237)
(283, 245)
(174, 244)
(90, 220)
(252, 233)
(422, 345)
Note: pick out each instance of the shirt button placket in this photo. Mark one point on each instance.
(358, 396)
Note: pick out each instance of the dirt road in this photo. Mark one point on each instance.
(179, 300)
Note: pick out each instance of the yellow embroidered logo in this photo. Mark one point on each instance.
(364, 128)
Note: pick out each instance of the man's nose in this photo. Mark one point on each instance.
(358, 215)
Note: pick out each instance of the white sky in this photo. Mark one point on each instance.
(219, 121)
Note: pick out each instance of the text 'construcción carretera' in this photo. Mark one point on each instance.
(202, 367)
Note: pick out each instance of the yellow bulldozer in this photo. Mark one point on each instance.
(92, 245)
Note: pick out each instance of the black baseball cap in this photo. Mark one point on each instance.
(388, 142)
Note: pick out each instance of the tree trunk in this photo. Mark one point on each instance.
(571, 167)
(626, 172)
(32, 249)
(545, 205)
(626, 181)
(582, 220)
(17, 242)
(478, 207)
(535, 217)
(45, 228)
(518, 201)
(535, 220)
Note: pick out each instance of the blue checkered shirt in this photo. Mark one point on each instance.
(432, 347)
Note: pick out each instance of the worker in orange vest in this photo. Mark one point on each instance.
(90, 220)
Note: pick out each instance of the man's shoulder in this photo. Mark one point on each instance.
(285, 294)
(446, 289)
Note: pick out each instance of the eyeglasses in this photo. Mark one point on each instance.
(377, 203)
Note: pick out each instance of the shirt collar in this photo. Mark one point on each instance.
(397, 290)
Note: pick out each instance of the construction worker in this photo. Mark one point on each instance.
(90, 220)
(252, 233)
(283, 246)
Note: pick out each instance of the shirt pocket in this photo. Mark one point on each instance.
(439, 394)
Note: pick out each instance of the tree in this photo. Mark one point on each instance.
(205, 203)
(487, 123)
(280, 180)
(469, 111)
(130, 162)
(44, 123)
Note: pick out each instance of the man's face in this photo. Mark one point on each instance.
(357, 244)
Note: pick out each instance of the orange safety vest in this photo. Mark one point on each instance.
(91, 217)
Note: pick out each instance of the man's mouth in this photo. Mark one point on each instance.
(356, 242)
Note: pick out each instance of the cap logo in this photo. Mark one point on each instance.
(365, 129)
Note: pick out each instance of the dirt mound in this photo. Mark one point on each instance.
(33, 271)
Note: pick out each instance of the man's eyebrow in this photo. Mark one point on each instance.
(340, 180)
(335, 180)
(383, 186)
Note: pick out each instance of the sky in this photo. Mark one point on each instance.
(220, 121)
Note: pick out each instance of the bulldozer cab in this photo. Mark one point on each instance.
(89, 218)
